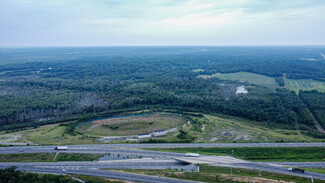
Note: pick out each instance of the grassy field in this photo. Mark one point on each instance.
(78, 157)
(55, 135)
(211, 128)
(317, 170)
(304, 84)
(245, 77)
(284, 154)
(28, 157)
(47, 135)
(221, 128)
(198, 70)
(48, 157)
(222, 174)
(131, 125)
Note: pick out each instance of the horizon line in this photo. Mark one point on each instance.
(239, 45)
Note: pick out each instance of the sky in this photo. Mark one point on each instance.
(25, 23)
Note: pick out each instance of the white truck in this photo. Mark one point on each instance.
(192, 154)
(61, 148)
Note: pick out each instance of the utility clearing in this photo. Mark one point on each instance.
(252, 78)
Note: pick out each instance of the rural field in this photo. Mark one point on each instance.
(220, 128)
(252, 78)
(208, 128)
(304, 84)
(258, 79)
(53, 134)
(198, 70)
(126, 126)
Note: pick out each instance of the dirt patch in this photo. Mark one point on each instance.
(213, 139)
(10, 138)
(92, 127)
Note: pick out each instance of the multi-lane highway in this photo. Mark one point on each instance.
(179, 145)
(92, 169)
(301, 164)
(96, 168)
(104, 147)
(123, 164)
(152, 160)
(272, 168)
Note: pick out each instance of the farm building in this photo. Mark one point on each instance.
(159, 133)
(144, 135)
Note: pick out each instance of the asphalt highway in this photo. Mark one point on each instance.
(102, 148)
(95, 168)
(301, 164)
(272, 168)
(178, 145)
(129, 164)
(48, 149)
(153, 160)
(80, 169)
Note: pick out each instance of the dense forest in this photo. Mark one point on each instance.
(11, 175)
(315, 101)
(46, 85)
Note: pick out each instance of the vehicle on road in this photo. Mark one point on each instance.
(296, 170)
(192, 154)
(61, 148)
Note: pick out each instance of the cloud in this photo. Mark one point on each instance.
(116, 22)
(203, 19)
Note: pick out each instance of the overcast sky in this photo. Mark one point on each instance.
(161, 22)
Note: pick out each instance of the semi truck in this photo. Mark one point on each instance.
(192, 154)
(61, 148)
(296, 170)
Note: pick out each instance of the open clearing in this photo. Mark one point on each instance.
(51, 134)
(126, 126)
(245, 77)
(304, 84)
(198, 70)
(232, 129)
(212, 128)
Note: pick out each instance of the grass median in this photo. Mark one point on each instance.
(281, 154)
(222, 174)
(48, 157)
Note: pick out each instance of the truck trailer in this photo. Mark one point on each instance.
(296, 170)
(192, 154)
(61, 148)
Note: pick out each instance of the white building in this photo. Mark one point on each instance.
(241, 89)
(159, 133)
(144, 135)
